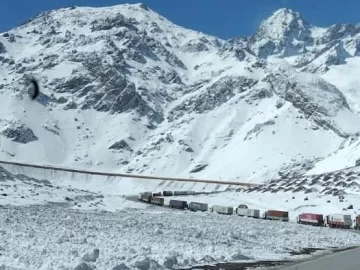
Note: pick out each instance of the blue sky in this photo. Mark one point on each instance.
(223, 18)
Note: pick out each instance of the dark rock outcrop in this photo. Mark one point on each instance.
(214, 96)
(84, 266)
(19, 133)
(122, 144)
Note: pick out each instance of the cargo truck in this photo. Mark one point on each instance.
(178, 193)
(195, 206)
(240, 211)
(339, 221)
(226, 210)
(276, 215)
(311, 219)
(157, 201)
(178, 204)
(145, 197)
(168, 193)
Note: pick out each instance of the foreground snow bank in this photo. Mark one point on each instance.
(54, 237)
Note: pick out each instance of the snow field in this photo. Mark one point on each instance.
(51, 237)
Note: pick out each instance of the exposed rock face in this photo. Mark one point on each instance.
(277, 34)
(121, 266)
(2, 48)
(91, 256)
(320, 104)
(19, 133)
(213, 96)
(258, 128)
(120, 145)
(83, 266)
(357, 162)
(199, 168)
(184, 97)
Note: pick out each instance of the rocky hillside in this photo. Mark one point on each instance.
(124, 89)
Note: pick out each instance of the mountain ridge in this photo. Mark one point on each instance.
(124, 89)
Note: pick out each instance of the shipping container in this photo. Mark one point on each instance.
(357, 223)
(190, 192)
(144, 193)
(157, 194)
(311, 219)
(157, 201)
(168, 193)
(255, 213)
(226, 210)
(339, 221)
(178, 193)
(276, 215)
(178, 204)
(145, 197)
(195, 206)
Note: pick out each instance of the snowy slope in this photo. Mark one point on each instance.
(345, 78)
(108, 185)
(126, 90)
(346, 156)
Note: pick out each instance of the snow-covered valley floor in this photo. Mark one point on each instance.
(58, 237)
(50, 224)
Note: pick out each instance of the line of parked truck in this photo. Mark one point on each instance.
(332, 220)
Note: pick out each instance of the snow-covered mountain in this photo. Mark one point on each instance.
(126, 90)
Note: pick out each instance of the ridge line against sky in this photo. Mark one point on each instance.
(225, 19)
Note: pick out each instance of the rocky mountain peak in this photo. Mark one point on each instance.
(284, 23)
(284, 33)
(114, 73)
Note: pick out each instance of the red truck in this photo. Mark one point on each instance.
(311, 219)
(357, 223)
(276, 215)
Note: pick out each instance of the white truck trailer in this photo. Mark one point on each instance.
(226, 210)
(255, 213)
(339, 221)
